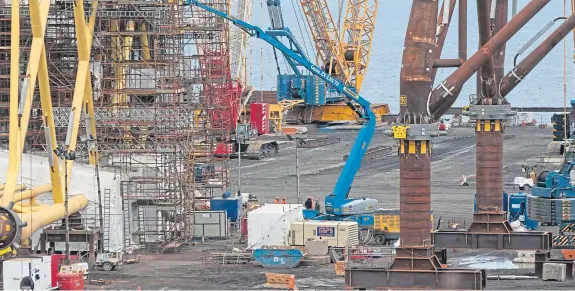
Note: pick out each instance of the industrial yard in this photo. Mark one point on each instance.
(200, 144)
(453, 157)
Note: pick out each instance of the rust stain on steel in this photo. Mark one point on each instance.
(489, 170)
(486, 86)
(415, 200)
(445, 94)
(441, 39)
(499, 56)
(511, 80)
(418, 55)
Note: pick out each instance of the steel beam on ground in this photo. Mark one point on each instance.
(463, 279)
(510, 241)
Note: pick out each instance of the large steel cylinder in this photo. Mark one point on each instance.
(489, 170)
(415, 200)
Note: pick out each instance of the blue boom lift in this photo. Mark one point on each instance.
(338, 204)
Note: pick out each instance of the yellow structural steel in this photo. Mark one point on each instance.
(20, 107)
(36, 215)
(357, 36)
(326, 37)
(83, 85)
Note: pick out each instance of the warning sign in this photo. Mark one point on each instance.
(403, 100)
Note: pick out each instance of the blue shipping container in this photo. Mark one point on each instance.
(232, 206)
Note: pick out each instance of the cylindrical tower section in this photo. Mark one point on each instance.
(415, 193)
(489, 165)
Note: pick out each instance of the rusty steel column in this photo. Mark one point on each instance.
(501, 15)
(415, 193)
(513, 78)
(444, 95)
(489, 165)
(490, 126)
(415, 76)
(462, 33)
(485, 83)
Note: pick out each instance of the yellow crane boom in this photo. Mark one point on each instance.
(357, 37)
(325, 34)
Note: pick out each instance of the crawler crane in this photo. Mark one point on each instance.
(338, 204)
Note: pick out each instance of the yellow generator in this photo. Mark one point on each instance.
(336, 233)
(386, 226)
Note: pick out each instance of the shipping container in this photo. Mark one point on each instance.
(270, 224)
(232, 207)
(259, 117)
(211, 224)
(336, 233)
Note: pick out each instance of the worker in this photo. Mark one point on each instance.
(308, 203)
(277, 200)
(317, 206)
(284, 200)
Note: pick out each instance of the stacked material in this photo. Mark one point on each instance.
(551, 211)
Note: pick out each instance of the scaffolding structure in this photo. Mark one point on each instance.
(163, 99)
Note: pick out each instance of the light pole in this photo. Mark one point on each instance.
(239, 140)
(66, 156)
(297, 169)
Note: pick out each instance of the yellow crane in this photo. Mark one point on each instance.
(343, 52)
(19, 220)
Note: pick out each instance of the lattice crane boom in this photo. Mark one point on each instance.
(241, 9)
(357, 37)
(325, 35)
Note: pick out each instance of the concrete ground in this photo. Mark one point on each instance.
(453, 156)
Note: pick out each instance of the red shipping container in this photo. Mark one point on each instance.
(72, 281)
(259, 117)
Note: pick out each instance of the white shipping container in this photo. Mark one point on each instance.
(335, 233)
(270, 224)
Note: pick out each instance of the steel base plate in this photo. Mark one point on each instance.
(415, 268)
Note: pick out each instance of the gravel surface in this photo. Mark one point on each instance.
(453, 156)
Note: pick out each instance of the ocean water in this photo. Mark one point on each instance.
(544, 86)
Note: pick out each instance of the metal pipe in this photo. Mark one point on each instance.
(489, 170)
(514, 77)
(414, 199)
(39, 219)
(499, 57)
(485, 77)
(447, 63)
(444, 95)
(416, 71)
(36, 191)
(439, 43)
(462, 37)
